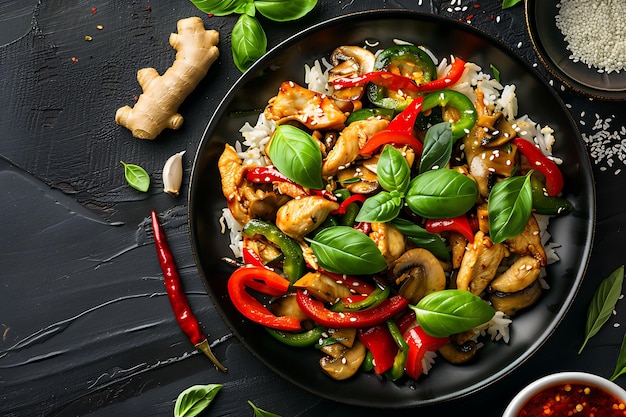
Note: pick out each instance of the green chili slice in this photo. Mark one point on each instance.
(301, 339)
(465, 107)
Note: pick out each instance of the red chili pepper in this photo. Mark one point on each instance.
(365, 227)
(399, 131)
(267, 282)
(398, 82)
(419, 343)
(317, 312)
(458, 224)
(378, 340)
(549, 169)
(250, 257)
(176, 294)
(345, 203)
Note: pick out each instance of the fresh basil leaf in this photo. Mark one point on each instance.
(620, 366)
(437, 147)
(603, 303)
(284, 10)
(344, 250)
(220, 7)
(441, 193)
(195, 399)
(422, 238)
(443, 313)
(381, 207)
(294, 153)
(509, 207)
(509, 3)
(393, 171)
(261, 413)
(248, 42)
(136, 176)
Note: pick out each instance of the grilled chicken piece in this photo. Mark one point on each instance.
(351, 139)
(529, 242)
(314, 110)
(479, 264)
(389, 240)
(520, 275)
(302, 215)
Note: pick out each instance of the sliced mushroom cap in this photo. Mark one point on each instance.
(287, 305)
(497, 130)
(511, 303)
(364, 58)
(350, 61)
(455, 353)
(346, 365)
(419, 273)
(322, 287)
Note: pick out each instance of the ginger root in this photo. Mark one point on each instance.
(157, 107)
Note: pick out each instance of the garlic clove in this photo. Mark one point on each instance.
(173, 174)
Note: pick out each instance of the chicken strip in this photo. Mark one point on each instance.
(302, 215)
(479, 264)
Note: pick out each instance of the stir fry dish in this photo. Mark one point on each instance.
(390, 210)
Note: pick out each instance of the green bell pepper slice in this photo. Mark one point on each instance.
(461, 102)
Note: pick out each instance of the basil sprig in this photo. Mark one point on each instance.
(195, 399)
(446, 312)
(441, 193)
(394, 176)
(295, 154)
(620, 366)
(248, 39)
(509, 207)
(603, 303)
(345, 250)
(437, 147)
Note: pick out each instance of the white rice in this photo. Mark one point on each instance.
(497, 328)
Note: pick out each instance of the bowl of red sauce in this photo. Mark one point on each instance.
(569, 394)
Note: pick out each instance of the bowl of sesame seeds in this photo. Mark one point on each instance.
(568, 394)
(582, 43)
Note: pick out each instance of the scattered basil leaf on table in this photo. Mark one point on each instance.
(345, 250)
(295, 154)
(422, 238)
(393, 171)
(603, 303)
(248, 39)
(136, 176)
(437, 147)
(443, 313)
(195, 399)
(620, 367)
(441, 193)
(261, 413)
(248, 42)
(509, 207)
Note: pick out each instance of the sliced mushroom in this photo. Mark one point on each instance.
(346, 336)
(497, 130)
(322, 287)
(518, 276)
(419, 273)
(300, 216)
(334, 350)
(346, 365)
(349, 61)
(287, 305)
(511, 303)
(457, 354)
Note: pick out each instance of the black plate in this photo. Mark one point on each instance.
(551, 47)
(285, 62)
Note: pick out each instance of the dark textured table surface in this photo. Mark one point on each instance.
(86, 326)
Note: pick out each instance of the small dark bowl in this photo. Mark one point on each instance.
(551, 47)
(444, 37)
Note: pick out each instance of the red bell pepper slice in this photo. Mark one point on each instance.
(378, 340)
(354, 198)
(398, 82)
(365, 227)
(549, 169)
(419, 343)
(399, 131)
(267, 282)
(250, 257)
(269, 174)
(317, 312)
(458, 224)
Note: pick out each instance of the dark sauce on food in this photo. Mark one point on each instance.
(573, 400)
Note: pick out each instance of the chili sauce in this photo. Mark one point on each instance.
(575, 399)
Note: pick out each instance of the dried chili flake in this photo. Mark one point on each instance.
(149, 8)
(94, 10)
(74, 59)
